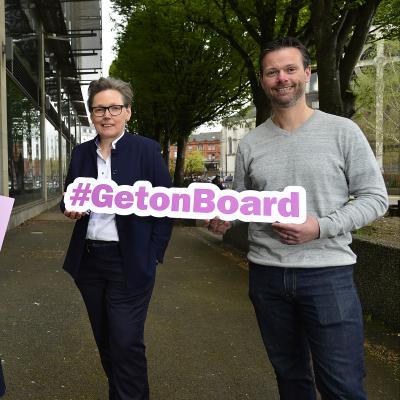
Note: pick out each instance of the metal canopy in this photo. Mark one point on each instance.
(73, 41)
(85, 29)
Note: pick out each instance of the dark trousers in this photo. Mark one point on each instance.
(117, 315)
(311, 314)
(2, 383)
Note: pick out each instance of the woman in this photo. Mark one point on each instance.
(112, 257)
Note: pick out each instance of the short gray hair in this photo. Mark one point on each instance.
(101, 84)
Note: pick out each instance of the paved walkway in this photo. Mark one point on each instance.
(203, 341)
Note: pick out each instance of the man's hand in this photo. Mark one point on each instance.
(218, 226)
(297, 233)
(74, 214)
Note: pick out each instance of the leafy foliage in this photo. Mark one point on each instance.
(191, 61)
(364, 86)
(182, 74)
(194, 163)
(335, 32)
(247, 26)
(387, 19)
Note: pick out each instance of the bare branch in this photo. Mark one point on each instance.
(353, 51)
(266, 16)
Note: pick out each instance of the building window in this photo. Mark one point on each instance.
(24, 158)
(52, 160)
(200, 147)
(229, 145)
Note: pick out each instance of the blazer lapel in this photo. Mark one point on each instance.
(124, 161)
(92, 164)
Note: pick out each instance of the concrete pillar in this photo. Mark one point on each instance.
(3, 106)
(77, 135)
(60, 155)
(42, 105)
(69, 130)
(80, 130)
(223, 152)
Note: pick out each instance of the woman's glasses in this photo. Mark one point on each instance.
(113, 110)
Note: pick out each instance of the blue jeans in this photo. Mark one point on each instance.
(311, 324)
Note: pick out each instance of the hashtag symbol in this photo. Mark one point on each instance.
(81, 194)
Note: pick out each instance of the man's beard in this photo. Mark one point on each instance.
(286, 102)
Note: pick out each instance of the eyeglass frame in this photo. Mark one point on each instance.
(105, 109)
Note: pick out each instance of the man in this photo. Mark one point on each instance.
(113, 258)
(301, 276)
(217, 182)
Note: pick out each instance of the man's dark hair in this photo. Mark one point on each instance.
(101, 84)
(285, 43)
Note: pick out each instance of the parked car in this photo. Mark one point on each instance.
(228, 178)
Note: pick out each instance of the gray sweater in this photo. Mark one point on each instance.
(330, 157)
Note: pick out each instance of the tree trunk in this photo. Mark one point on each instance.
(354, 48)
(262, 104)
(339, 44)
(349, 103)
(180, 161)
(326, 44)
(157, 133)
(330, 99)
(165, 149)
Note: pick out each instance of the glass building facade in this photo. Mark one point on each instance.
(24, 146)
(51, 49)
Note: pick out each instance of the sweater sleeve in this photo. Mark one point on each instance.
(241, 180)
(369, 199)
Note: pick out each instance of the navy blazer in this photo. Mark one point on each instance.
(143, 240)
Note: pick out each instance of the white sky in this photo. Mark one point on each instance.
(108, 40)
(108, 33)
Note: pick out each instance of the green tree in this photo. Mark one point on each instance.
(182, 74)
(247, 27)
(387, 20)
(335, 30)
(194, 163)
(365, 87)
(340, 31)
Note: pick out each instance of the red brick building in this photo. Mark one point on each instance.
(209, 145)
